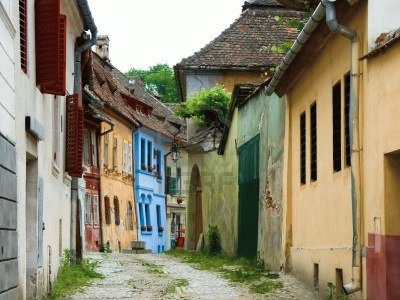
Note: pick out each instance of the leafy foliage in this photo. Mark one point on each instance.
(207, 106)
(73, 277)
(214, 240)
(158, 79)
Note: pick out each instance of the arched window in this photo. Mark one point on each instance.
(129, 216)
(116, 211)
(107, 209)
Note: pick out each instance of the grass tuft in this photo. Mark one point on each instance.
(238, 270)
(72, 278)
(152, 268)
(178, 283)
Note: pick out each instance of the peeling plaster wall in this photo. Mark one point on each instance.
(266, 116)
(219, 183)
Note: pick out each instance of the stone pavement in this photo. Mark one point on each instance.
(151, 276)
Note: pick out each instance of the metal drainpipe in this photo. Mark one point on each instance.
(89, 25)
(352, 36)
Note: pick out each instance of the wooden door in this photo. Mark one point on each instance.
(248, 198)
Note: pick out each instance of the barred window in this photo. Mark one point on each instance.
(337, 127)
(347, 117)
(303, 148)
(313, 141)
(107, 210)
(117, 211)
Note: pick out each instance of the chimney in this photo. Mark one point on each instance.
(103, 47)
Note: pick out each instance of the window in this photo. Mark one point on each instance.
(96, 210)
(86, 148)
(141, 216)
(168, 180)
(158, 211)
(303, 148)
(158, 159)
(129, 216)
(347, 88)
(147, 211)
(337, 127)
(107, 209)
(106, 143)
(116, 211)
(115, 153)
(149, 151)
(125, 157)
(130, 162)
(93, 148)
(313, 140)
(143, 166)
(178, 181)
(56, 131)
(88, 212)
(23, 34)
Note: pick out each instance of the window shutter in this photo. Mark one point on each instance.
(106, 143)
(23, 35)
(74, 147)
(130, 158)
(50, 47)
(115, 153)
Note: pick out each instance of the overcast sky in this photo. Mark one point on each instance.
(146, 32)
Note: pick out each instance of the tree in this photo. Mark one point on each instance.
(206, 106)
(158, 79)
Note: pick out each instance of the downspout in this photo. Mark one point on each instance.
(89, 25)
(134, 178)
(352, 36)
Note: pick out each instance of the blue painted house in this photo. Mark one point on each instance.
(150, 148)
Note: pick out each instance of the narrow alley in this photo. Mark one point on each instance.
(160, 276)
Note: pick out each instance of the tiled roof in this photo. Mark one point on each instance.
(253, 3)
(115, 94)
(240, 46)
(384, 41)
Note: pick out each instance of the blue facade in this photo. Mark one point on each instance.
(150, 149)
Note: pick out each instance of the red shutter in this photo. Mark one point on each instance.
(23, 35)
(74, 147)
(50, 47)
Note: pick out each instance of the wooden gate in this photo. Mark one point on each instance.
(248, 198)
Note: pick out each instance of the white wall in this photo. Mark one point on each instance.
(383, 16)
(57, 184)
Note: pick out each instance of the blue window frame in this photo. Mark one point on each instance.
(141, 214)
(143, 154)
(158, 209)
(147, 210)
(149, 158)
(158, 161)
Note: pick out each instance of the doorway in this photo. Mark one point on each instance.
(195, 208)
(248, 198)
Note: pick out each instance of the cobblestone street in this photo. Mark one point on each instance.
(162, 277)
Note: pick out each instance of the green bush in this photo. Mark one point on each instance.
(214, 240)
(207, 106)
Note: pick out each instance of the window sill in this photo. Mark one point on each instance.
(160, 234)
(159, 180)
(147, 232)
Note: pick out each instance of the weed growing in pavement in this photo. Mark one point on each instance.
(238, 270)
(178, 283)
(152, 268)
(333, 293)
(214, 240)
(72, 278)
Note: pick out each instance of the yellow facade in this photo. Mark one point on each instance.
(117, 186)
(319, 228)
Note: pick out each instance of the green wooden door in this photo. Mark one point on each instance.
(248, 198)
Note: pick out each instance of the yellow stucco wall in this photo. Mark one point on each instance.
(219, 181)
(115, 184)
(230, 79)
(381, 136)
(319, 224)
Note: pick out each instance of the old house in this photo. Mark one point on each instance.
(259, 131)
(341, 146)
(238, 56)
(44, 83)
(155, 172)
(113, 212)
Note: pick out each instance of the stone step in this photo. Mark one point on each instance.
(130, 251)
